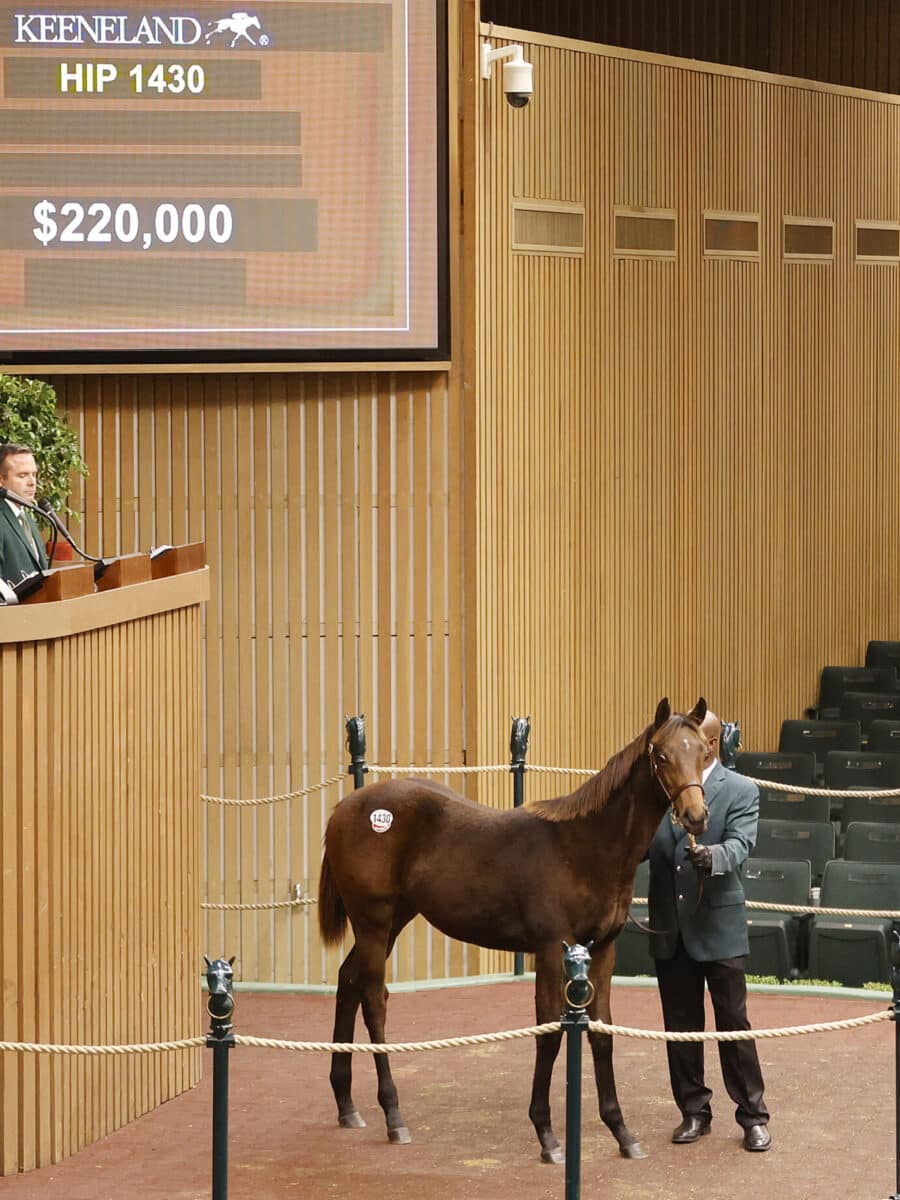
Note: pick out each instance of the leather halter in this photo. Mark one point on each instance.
(671, 796)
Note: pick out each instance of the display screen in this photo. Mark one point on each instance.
(193, 180)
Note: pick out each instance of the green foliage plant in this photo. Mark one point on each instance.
(29, 416)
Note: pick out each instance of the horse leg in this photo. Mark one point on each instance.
(374, 1005)
(602, 1051)
(547, 1003)
(345, 1010)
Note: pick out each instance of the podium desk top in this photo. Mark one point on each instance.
(63, 618)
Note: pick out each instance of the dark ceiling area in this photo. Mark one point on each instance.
(855, 43)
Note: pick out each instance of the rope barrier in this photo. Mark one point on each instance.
(260, 800)
(535, 769)
(435, 770)
(258, 907)
(138, 1048)
(815, 911)
(475, 1039)
(739, 1035)
(773, 785)
(479, 1039)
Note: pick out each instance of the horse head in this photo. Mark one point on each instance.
(677, 751)
(219, 980)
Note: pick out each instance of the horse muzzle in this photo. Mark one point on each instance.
(692, 816)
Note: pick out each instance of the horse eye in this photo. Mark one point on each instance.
(662, 757)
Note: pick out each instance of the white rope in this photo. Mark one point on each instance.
(435, 770)
(773, 785)
(258, 907)
(477, 1039)
(815, 911)
(740, 1035)
(139, 1048)
(259, 800)
(480, 1039)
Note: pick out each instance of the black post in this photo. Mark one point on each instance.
(518, 748)
(356, 744)
(895, 1016)
(220, 1039)
(578, 993)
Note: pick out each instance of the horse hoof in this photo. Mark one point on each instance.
(351, 1120)
(553, 1155)
(399, 1136)
(633, 1150)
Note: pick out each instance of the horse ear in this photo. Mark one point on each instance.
(231, 960)
(206, 960)
(663, 712)
(698, 712)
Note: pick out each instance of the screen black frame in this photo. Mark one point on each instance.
(227, 359)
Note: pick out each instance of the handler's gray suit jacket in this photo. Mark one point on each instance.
(711, 918)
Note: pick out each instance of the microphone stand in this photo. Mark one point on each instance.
(44, 509)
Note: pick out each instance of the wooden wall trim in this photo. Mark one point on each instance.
(38, 622)
(509, 34)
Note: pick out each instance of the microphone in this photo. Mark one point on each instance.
(7, 494)
(46, 509)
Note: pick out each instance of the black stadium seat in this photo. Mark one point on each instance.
(872, 841)
(883, 654)
(818, 737)
(882, 810)
(797, 841)
(799, 769)
(884, 737)
(834, 682)
(859, 770)
(866, 707)
(777, 940)
(854, 950)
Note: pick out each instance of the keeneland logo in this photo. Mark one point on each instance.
(110, 29)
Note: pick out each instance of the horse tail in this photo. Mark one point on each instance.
(332, 914)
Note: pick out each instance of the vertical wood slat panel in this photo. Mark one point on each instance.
(106, 729)
(740, 498)
(304, 489)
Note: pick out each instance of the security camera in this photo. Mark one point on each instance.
(518, 83)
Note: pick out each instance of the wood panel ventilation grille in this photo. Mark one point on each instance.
(877, 242)
(547, 227)
(808, 239)
(731, 235)
(645, 233)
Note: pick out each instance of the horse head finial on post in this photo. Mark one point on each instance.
(729, 743)
(518, 742)
(220, 1005)
(356, 744)
(578, 991)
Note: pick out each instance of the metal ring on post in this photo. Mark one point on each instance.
(581, 982)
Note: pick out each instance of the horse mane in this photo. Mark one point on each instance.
(592, 796)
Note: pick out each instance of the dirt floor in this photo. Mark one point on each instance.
(832, 1098)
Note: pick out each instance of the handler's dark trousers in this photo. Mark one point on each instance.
(681, 992)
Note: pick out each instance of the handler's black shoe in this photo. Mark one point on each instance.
(757, 1137)
(690, 1129)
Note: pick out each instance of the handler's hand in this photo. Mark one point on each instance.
(701, 857)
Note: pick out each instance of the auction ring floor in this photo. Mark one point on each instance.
(831, 1095)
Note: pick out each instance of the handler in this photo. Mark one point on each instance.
(697, 910)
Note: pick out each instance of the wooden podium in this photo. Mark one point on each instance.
(99, 853)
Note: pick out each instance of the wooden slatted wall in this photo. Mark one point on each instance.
(685, 466)
(99, 936)
(330, 507)
(855, 43)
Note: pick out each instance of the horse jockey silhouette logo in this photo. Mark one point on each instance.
(240, 24)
